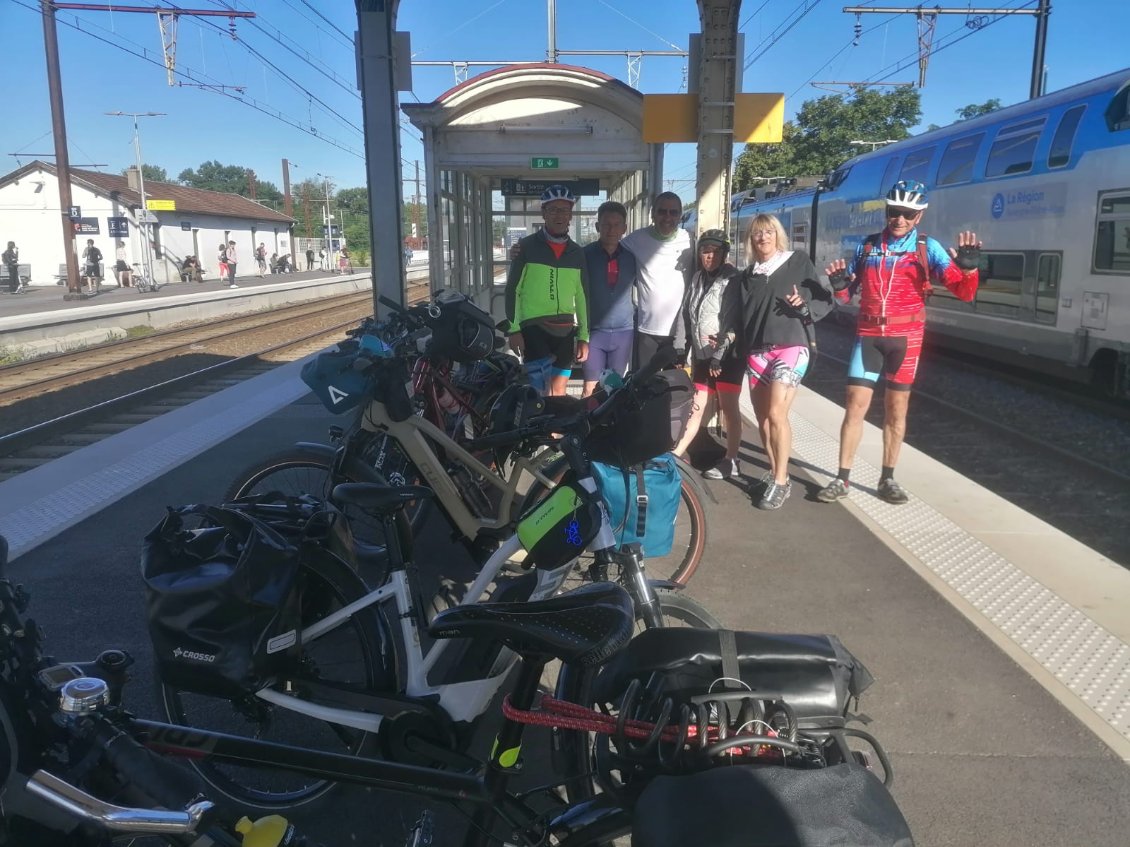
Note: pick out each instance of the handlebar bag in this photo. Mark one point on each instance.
(333, 379)
(661, 485)
(770, 806)
(462, 332)
(222, 599)
(647, 423)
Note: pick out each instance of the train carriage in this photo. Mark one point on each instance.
(1046, 184)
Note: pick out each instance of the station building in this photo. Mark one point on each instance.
(189, 221)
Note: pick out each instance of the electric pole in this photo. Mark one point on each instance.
(928, 19)
(143, 214)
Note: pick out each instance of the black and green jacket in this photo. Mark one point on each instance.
(542, 289)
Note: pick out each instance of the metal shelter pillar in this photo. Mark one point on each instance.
(376, 20)
(718, 66)
(491, 145)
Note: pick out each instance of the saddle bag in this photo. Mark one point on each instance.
(643, 502)
(222, 598)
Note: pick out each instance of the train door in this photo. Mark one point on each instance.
(1046, 295)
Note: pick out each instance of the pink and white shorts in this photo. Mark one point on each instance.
(779, 364)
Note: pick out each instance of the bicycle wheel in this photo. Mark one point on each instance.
(680, 564)
(572, 749)
(355, 655)
(304, 471)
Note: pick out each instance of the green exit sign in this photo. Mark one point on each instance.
(539, 163)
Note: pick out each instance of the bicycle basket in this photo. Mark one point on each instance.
(461, 331)
(223, 599)
(648, 427)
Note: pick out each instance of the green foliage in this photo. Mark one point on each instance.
(820, 138)
(231, 179)
(415, 213)
(152, 173)
(975, 110)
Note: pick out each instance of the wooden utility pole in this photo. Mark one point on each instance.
(928, 18)
(58, 119)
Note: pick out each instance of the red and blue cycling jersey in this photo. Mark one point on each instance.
(893, 284)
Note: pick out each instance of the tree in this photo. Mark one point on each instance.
(152, 173)
(820, 138)
(231, 179)
(974, 110)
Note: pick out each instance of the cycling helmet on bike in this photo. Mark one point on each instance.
(558, 192)
(716, 237)
(514, 407)
(908, 194)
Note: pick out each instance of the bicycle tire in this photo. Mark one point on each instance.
(297, 471)
(673, 567)
(357, 653)
(571, 754)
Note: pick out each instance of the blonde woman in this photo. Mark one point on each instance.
(767, 316)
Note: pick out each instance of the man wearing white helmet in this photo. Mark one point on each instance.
(892, 270)
(545, 297)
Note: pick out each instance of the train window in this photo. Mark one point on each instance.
(957, 161)
(1118, 112)
(889, 176)
(1112, 236)
(1064, 137)
(835, 180)
(1047, 288)
(916, 168)
(1014, 148)
(1002, 278)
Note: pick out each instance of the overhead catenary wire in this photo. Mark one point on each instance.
(804, 8)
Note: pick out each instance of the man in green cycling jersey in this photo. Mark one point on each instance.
(545, 297)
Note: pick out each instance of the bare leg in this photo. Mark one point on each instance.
(557, 385)
(780, 430)
(730, 401)
(895, 404)
(589, 388)
(857, 403)
(759, 397)
(698, 407)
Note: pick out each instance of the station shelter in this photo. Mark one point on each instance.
(492, 144)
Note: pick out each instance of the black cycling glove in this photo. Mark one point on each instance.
(839, 280)
(968, 257)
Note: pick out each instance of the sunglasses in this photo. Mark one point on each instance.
(905, 214)
(669, 211)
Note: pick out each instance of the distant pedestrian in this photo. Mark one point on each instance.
(666, 261)
(274, 263)
(223, 259)
(233, 260)
(309, 260)
(92, 258)
(344, 262)
(121, 267)
(11, 258)
(190, 270)
(407, 255)
(322, 260)
(261, 258)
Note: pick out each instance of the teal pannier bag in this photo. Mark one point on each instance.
(662, 487)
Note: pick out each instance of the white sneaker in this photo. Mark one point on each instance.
(232, 285)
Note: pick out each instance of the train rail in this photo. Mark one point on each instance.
(1062, 457)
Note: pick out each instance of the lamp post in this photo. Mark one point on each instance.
(143, 217)
(329, 225)
(874, 144)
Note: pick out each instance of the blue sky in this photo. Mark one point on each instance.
(789, 47)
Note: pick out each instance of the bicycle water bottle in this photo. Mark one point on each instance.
(271, 831)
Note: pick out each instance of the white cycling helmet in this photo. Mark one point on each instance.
(558, 192)
(909, 195)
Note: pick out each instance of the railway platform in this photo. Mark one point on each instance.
(999, 645)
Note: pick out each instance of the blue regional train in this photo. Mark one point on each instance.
(1046, 185)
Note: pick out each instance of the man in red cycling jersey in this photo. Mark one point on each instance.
(892, 271)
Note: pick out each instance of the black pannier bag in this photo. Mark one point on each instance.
(461, 331)
(648, 427)
(223, 600)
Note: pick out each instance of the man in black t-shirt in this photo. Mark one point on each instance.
(11, 258)
(91, 257)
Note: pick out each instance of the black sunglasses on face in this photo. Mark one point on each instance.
(905, 214)
(668, 211)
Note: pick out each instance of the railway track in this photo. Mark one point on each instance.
(89, 422)
(1061, 457)
(50, 373)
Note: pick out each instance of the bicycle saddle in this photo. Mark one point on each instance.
(584, 627)
(379, 499)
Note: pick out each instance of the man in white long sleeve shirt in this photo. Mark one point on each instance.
(664, 256)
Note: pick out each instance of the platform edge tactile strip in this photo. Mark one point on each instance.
(1088, 660)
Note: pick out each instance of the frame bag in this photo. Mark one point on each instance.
(222, 600)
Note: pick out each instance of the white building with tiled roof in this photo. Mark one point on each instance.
(196, 225)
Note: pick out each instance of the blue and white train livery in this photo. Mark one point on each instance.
(1046, 185)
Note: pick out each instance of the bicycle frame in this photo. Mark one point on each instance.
(462, 701)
